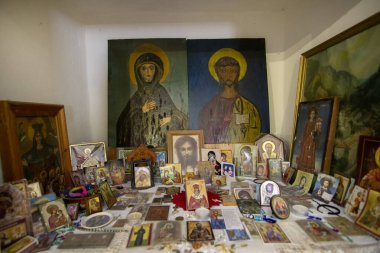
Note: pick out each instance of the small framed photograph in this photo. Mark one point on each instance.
(243, 193)
(89, 174)
(214, 156)
(171, 174)
(142, 175)
(356, 201)
(12, 232)
(368, 162)
(208, 154)
(168, 232)
(303, 182)
(161, 160)
(218, 180)
(267, 190)
(107, 195)
(228, 169)
(157, 213)
(54, 214)
(226, 156)
(289, 172)
(275, 168)
(72, 210)
(269, 146)
(285, 165)
(93, 205)
(161, 157)
(325, 187)
(122, 153)
(245, 160)
(87, 155)
(196, 194)
(369, 217)
(184, 147)
(34, 190)
(117, 170)
(78, 177)
(262, 171)
(280, 207)
(206, 171)
(226, 151)
(341, 190)
(102, 175)
(140, 235)
(199, 231)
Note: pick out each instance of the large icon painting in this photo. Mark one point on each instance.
(228, 91)
(147, 91)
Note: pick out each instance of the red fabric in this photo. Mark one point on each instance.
(180, 199)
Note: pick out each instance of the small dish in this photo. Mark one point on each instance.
(97, 220)
(134, 218)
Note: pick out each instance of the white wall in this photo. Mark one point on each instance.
(56, 51)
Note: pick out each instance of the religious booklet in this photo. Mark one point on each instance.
(87, 240)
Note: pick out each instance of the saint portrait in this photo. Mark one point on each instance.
(228, 95)
(325, 187)
(147, 90)
(40, 155)
(54, 214)
(196, 194)
(185, 148)
(269, 146)
(246, 159)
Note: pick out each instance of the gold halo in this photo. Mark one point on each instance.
(377, 157)
(148, 48)
(230, 53)
(268, 142)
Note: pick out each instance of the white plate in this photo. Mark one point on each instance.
(97, 220)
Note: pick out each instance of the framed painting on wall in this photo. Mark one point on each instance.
(34, 144)
(147, 91)
(314, 135)
(228, 90)
(346, 66)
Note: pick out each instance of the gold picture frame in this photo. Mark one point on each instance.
(18, 127)
(196, 194)
(334, 68)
